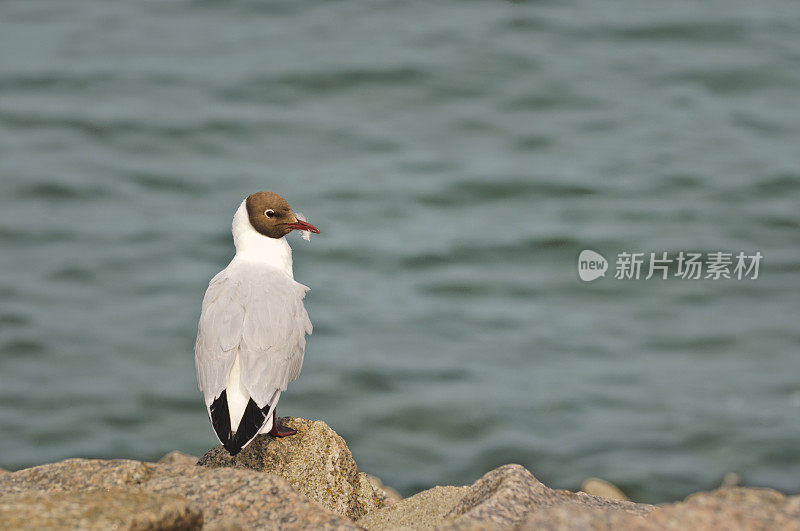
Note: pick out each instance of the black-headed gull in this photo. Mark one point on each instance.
(251, 336)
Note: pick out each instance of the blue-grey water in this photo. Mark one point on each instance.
(457, 156)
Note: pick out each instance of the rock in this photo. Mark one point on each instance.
(501, 499)
(602, 488)
(734, 507)
(244, 492)
(315, 461)
(424, 510)
(178, 458)
(369, 497)
(575, 517)
(391, 493)
(728, 508)
(228, 498)
(98, 509)
(246, 498)
(74, 474)
(505, 496)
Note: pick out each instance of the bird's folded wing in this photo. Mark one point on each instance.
(259, 313)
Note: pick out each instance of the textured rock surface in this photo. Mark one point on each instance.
(246, 497)
(501, 499)
(98, 509)
(575, 517)
(602, 488)
(424, 510)
(246, 492)
(730, 508)
(72, 474)
(228, 498)
(727, 508)
(391, 493)
(507, 494)
(315, 461)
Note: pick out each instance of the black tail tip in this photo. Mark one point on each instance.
(232, 449)
(252, 421)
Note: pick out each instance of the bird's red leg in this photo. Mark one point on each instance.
(278, 429)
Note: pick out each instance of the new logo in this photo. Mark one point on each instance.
(591, 265)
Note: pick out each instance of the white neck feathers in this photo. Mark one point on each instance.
(255, 247)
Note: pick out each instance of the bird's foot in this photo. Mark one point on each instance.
(281, 430)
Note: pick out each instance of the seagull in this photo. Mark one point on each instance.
(251, 337)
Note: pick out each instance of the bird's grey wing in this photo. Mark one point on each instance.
(219, 334)
(273, 335)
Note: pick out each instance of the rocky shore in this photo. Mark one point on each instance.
(310, 481)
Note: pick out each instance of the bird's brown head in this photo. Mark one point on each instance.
(271, 215)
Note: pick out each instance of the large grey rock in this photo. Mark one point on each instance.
(740, 507)
(228, 498)
(74, 474)
(98, 509)
(506, 495)
(245, 497)
(728, 508)
(501, 499)
(315, 461)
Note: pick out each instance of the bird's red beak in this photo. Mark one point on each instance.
(302, 225)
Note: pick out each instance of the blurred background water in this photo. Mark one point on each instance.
(457, 155)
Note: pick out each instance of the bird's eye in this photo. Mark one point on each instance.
(269, 213)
